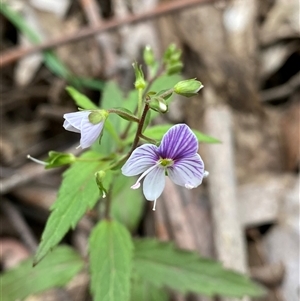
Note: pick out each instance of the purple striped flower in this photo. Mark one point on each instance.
(88, 123)
(176, 157)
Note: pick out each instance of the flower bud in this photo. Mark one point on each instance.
(57, 159)
(140, 82)
(158, 104)
(174, 68)
(149, 56)
(188, 87)
(100, 175)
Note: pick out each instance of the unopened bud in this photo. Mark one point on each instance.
(140, 82)
(188, 88)
(149, 56)
(158, 104)
(100, 175)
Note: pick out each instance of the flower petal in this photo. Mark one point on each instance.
(178, 142)
(140, 160)
(154, 183)
(89, 132)
(187, 172)
(67, 125)
(75, 118)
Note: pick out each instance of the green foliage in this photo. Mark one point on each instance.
(144, 291)
(127, 204)
(112, 97)
(55, 271)
(156, 132)
(162, 265)
(78, 193)
(56, 159)
(81, 100)
(111, 252)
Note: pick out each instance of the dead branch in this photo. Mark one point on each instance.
(20, 225)
(12, 55)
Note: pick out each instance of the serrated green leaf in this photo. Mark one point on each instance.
(111, 97)
(55, 271)
(127, 204)
(156, 132)
(165, 266)
(78, 193)
(81, 100)
(144, 291)
(111, 252)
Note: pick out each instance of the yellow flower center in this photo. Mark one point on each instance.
(166, 162)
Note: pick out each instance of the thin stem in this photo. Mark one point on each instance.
(140, 102)
(139, 129)
(148, 139)
(150, 82)
(121, 113)
(107, 205)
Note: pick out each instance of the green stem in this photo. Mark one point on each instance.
(148, 139)
(124, 114)
(107, 205)
(139, 129)
(140, 103)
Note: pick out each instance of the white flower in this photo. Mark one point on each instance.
(88, 123)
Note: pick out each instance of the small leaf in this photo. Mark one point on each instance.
(156, 132)
(111, 97)
(55, 271)
(162, 265)
(205, 138)
(147, 121)
(80, 99)
(77, 194)
(127, 204)
(110, 261)
(144, 291)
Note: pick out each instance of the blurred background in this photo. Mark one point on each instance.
(246, 54)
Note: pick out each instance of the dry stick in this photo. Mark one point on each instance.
(92, 12)
(228, 232)
(281, 91)
(19, 224)
(168, 7)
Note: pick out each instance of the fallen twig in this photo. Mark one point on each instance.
(20, 225)
(281, 91)
(12, 55)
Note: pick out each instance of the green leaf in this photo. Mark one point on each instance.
(162, 265)
(55, 271)
(144, 291)
(90, 83)
(78, 193)
(111, 252)
(156, 132)
(127, 204)
(111, 97)
(205, 138)
(81, 100)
